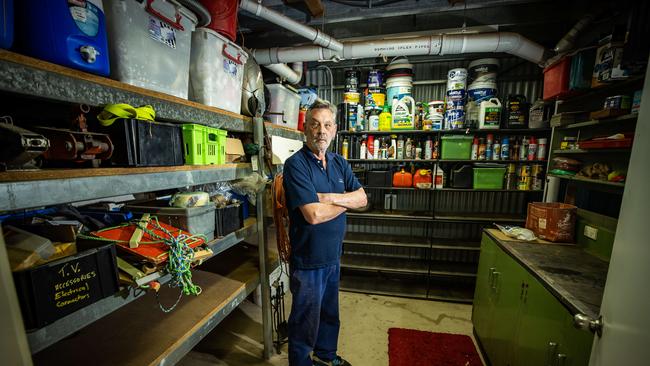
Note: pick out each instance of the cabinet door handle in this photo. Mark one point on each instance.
(491, 275)
(525, 293)
(495, 278)
(561, 359)
(550, 354)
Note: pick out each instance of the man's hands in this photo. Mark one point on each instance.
(356, 199)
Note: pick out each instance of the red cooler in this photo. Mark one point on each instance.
(224, 16)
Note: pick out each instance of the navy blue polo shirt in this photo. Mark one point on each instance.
(320, 245)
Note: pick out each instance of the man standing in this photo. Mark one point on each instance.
(319, 187)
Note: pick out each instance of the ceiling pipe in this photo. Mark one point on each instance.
(293, 74)
(566, 43)
(446, 44)
(314, 35)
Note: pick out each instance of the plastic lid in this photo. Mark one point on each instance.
(484, 61)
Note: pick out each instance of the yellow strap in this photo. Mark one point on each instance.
(112, 112)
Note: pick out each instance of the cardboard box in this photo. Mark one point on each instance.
(552, 221)
(234, 150)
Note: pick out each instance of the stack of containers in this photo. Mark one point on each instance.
(482, 78)
(455, 99)
(351, 110)
(375, 98)
(150, 44)
(399, 82)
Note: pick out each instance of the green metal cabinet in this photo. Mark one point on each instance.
(518, 321)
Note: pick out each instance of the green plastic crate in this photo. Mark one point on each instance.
(203, 145)
(489, 178)
(456, 147)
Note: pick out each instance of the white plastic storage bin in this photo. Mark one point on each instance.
(284, 106)
(216, 70)
(149, 43)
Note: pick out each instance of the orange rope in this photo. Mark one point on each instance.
(281, 218)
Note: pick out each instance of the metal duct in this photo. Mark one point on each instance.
(566, 43)
(314, 35)
(291, 74)
(447, 44)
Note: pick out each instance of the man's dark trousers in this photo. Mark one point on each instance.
(314, 321)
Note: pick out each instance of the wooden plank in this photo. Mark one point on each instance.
(140, 333)
(47, 174)
(61, 70)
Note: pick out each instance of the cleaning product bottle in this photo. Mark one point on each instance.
(505, 148)
(496, 150)
(489, 116)
(400, 147)
(392, 149)
(488, 147)
(481, 149)
(344, 149)
(362, 151)
(403, 114)
(408, 149)
(371, 147)
(428, 148)
(474, 155)
(532, 148)
(439, 179)
(375, 151)
(385, 118)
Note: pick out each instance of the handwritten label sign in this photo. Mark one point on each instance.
(73, 285)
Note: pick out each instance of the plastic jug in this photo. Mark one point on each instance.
(402, 179)
(403, 114)
(439, 179)
(489, 116)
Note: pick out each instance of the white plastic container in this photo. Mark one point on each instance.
(403, 113)
(489, 115)
(216, 70)
(456, 79)
(284, 106)
(149, 44)
(398, 87)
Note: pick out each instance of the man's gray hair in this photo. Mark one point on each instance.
(320, 105)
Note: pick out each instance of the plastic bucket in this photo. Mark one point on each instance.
(454, 119)
(398, 87)
(224, 16)
(457, 79)
(478, 91)
(456, 95)
(399, 66)
(483, 70)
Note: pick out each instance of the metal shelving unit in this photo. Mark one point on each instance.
(141, 334)
(127, 317)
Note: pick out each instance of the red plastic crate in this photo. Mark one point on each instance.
(556, 79)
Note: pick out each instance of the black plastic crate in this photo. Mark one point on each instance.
(144, 143)
(379, 178)
(229, 219)
(53, 290)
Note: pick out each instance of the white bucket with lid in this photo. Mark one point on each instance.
(479, 91)
(456, 79)
(483, 70)
(398, 87)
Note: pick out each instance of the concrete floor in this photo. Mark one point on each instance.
(363, 340)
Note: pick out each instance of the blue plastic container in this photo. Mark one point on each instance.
(66, 32)
(7, 24)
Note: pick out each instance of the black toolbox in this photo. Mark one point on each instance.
(53, 290)
(145, 143)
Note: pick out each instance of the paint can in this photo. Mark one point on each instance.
(375, 79)
(352, 81)
(457, 79)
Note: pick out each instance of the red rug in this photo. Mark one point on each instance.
(408, 347)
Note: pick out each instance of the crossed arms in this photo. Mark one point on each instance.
(332, 204)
